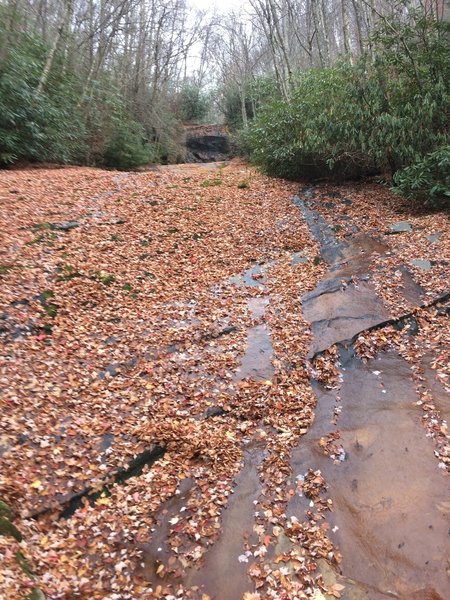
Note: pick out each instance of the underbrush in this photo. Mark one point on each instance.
(388, 113)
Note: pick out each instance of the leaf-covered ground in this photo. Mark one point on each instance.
(153, 344)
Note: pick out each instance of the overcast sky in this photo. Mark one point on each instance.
(218, 6)
(221, 5)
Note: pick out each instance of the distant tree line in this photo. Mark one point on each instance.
(97, 81)
(311, 88)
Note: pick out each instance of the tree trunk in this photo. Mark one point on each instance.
(243, 107)
(345, 27)
(326, 36)
(51, 54)
(359, 32)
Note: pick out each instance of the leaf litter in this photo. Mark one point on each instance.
(142, 348)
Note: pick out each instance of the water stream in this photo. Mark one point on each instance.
(391, 505)
(256, 363)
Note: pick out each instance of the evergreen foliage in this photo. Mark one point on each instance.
(44, 127)
(127, 148)
(427, 179)
(388, 113)
(258, 92)
(194, 104)
(59, 124)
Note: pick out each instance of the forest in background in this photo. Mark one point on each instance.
(309, 88)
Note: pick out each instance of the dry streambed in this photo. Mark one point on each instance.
(214, 390)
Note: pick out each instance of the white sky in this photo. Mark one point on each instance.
(220, 5)
(217, 7)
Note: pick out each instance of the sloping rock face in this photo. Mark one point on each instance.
(389, 499)
(207, 143)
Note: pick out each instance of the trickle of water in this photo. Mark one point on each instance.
(390, 500)
(256, 363)
(252, 277)
(257, 306)
(224, 574)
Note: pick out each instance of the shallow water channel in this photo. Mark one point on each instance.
(391, 502)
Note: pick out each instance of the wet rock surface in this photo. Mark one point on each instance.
(390, 501)
(422, 264)
(344, 302)
(224, 573)
(434, 237)
(298, 258)
(257, 360)
(66, 226)
(205, 144)
(186, 464)
(339, 315)
(411, 290)
(400, 227)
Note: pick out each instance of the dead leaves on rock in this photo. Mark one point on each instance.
(127, 331)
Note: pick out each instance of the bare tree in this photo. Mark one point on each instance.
(63, 24)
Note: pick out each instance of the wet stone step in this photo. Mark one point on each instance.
(390, 500)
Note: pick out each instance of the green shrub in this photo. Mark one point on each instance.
(316, 133)
(232, 108)
(240, 144)
(47, 127)
(259, 92)
(387, 113)
(127, 148)
(166, 133)
(194, 104)
(71, 122)
(428, 179)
